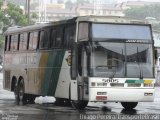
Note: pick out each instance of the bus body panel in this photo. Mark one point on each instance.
(121, 89)
(62, 89)
(123, 94)
(44, 73)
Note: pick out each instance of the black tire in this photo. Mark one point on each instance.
(129, 105)
(62, 102)
(16, 94)
(80, 105)
(30, 98)
(21, 94)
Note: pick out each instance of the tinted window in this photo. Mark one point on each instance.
(14, 42)
(23, 41)
(59, 37)
(33, 38)
(53, 39)
(69, 36)
(56, 40)
(44, 39)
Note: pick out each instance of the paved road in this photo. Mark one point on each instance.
(10, 111)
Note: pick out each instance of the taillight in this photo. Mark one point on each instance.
(101, 98)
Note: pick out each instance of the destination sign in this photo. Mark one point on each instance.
(136, 41)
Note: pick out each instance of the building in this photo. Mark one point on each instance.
(58, 11)
(104, 10)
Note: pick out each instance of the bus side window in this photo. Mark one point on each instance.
(23, 41)
(33, 40)
(44, 39)
(59, 38)
(83, 31)
(14, 42)
(53, 39)
(69, 36)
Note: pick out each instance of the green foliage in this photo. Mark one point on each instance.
(11, 15)
(34, 15)
(143, 12)
(1, 40)
(156, 26)
(15, 15)
(69, 4)
(1, 3)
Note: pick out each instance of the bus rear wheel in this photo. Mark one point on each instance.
(79, 104)
(21, 95)
(129, 105)
(16, 94)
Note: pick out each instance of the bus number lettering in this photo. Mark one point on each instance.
(110, 80)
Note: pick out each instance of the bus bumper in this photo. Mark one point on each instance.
(121, 95)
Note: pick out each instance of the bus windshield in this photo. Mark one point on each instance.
(131, 60)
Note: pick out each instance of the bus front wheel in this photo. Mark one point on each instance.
(79, 104)
(129, 105)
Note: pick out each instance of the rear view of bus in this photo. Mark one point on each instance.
(114, 62)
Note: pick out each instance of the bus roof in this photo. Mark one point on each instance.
(109, 19)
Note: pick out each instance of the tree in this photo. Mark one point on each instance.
(143, 12)
(151, 11)
(69, 4)
(11, 15)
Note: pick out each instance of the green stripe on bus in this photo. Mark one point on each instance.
(52, 72)
(134, 81)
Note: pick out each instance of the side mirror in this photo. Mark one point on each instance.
(74, 62)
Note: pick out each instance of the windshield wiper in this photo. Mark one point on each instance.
(139, 64)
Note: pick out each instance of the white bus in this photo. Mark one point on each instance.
(84, 59)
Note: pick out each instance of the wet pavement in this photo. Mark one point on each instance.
(95, 111)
